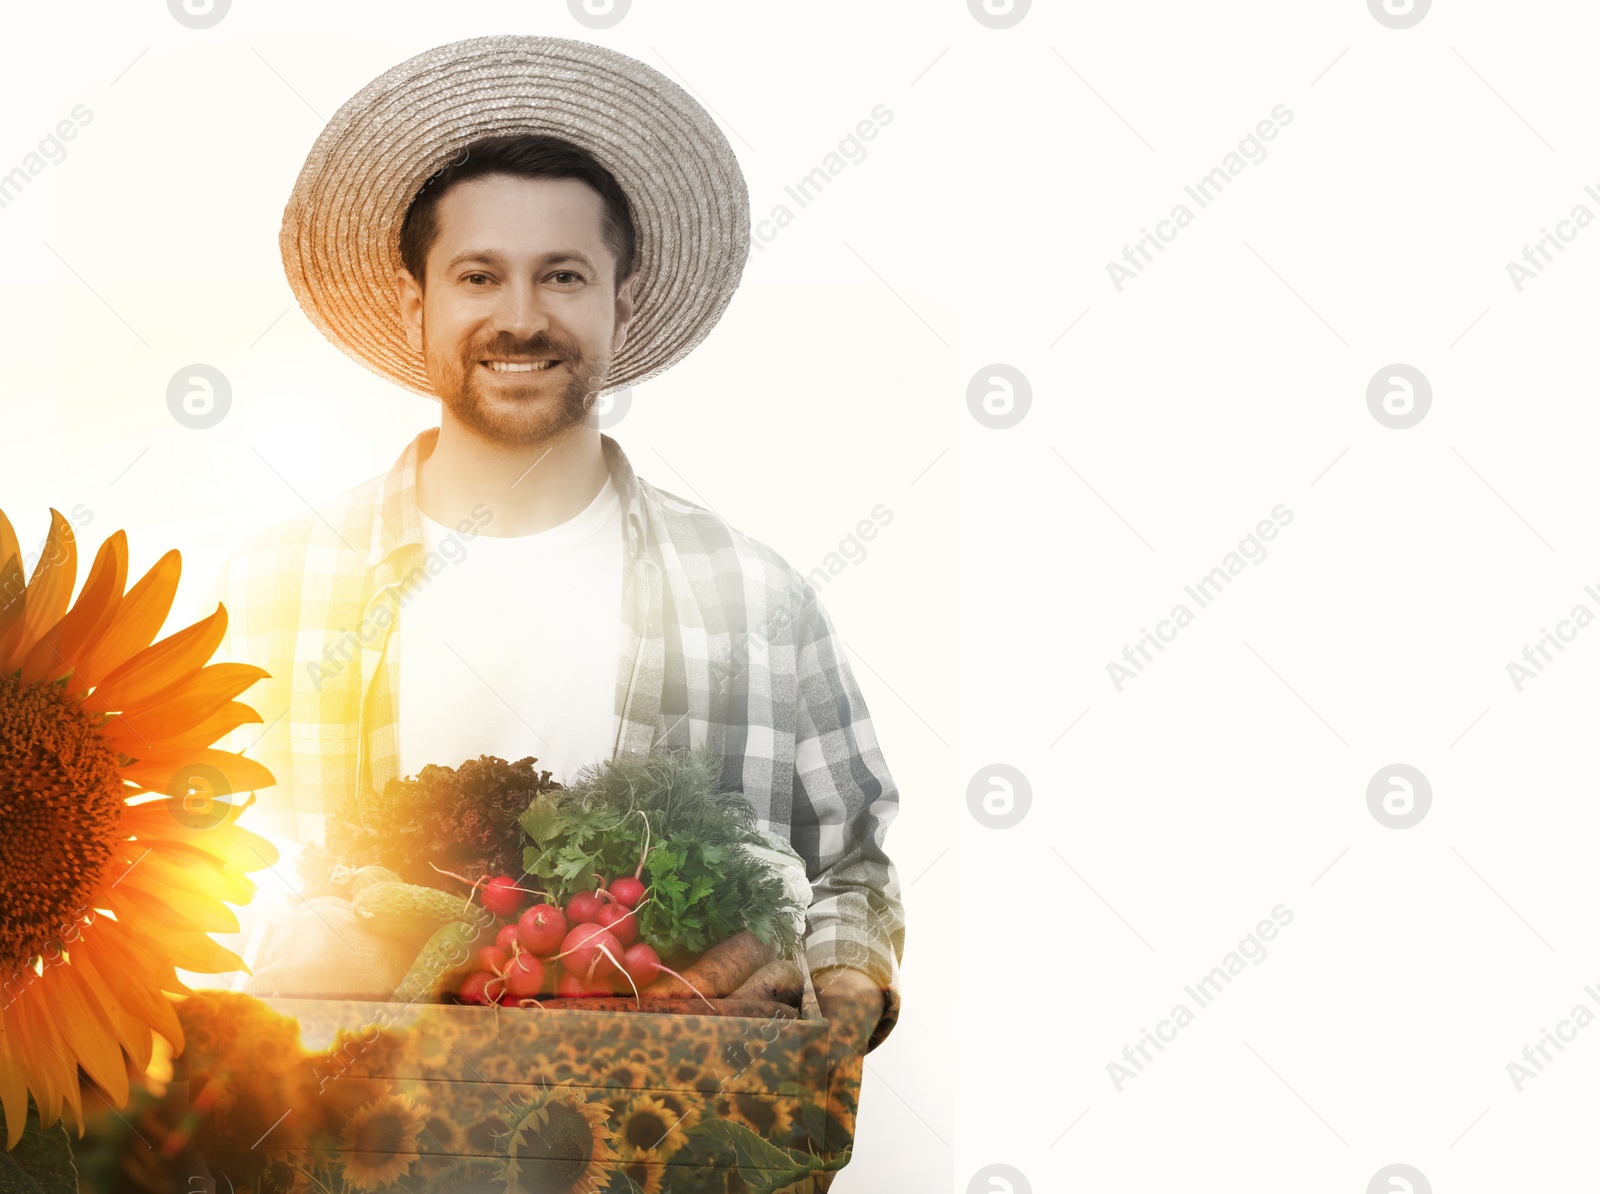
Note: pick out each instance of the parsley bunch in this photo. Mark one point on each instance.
(702, 885)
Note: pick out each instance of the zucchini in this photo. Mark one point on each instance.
(411, 911)
(447, 953)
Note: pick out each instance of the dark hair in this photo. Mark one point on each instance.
(527, 155)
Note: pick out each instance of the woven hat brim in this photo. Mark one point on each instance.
(340, 237)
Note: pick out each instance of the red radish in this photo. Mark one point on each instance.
(472, 988)
(541, 928)
(524, 976)
(491, 958)
(619, 973)
(502, 896)
(620, 922)
(627, 890)
(643, 965)
(474, 885)
(583, 907)
(507, 939)
(585, 947)
(572, 986)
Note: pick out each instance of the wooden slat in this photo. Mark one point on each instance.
(444, 1042)
(476, 1118)
(536, 1176)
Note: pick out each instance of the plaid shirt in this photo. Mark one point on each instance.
(723, 644)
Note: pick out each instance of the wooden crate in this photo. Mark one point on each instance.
(563, 1100)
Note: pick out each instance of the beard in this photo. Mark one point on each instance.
(517, 414)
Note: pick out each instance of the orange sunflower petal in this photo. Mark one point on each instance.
(213, 876)
(198, 953)
(13, 1086)
(137, 953)
(9, 546)
(209, 873)
(136, 1038)
(195, 911)
(112, 988)
(12, 583)
(49, 589)
(209, 916)
(63, 645)
(162, 773)
(139, 617)
(197, 737)
(154, 870)
(13, 600)
(131, 904)
(201, 695)
(49, 1071)
(227, 841)
(151, 673)
(133, 1037)
(115, 988)
(87, 1029)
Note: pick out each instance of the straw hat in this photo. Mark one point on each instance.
(341, 229)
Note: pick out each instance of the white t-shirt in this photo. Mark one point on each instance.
(511, 649)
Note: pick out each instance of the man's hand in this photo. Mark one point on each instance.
(853, 1002)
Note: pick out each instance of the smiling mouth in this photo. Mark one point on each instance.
(519, 366)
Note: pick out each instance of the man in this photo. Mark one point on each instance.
(543, 221)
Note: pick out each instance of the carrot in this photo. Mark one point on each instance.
(719, 970)
(757, 1009)
(780, 981)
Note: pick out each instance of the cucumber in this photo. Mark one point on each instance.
(410, 911)
(368, 875)
(447, 953)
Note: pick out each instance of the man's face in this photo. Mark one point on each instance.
(520, 317)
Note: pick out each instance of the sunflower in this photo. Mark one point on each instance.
(485, 1135)
(625, 1069)
(281, 1177)
(649, 1130)
(241, 1066)
(767, 1117)
(563, 1142)
(680, 1105)
(647, 1177)
(657, 1052)
(842, 1111)
(686, 1073)
(564, 1066)
(112, 870)
(638, 1033)
(444, 1141)
(442, 1132)
(380, 1141)
(771, 1071)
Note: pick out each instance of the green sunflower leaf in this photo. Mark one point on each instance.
(759, 1159)
(765, 1167)
(41, 1163)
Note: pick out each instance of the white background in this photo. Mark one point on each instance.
(1166, 420)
